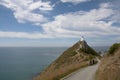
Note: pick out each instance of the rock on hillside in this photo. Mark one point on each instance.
(109, 68)
(72, 59)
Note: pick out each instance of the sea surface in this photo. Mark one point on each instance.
(24, 63)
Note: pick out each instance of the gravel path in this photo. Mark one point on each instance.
(83, 74)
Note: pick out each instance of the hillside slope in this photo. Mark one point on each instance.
(72, 59)
(109, 68)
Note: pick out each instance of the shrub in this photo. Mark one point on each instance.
(73, 53)
(89, 50)
(113, 48)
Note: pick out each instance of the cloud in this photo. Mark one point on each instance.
(93, 23)
(116, 7)
(45, 6)
(74, 1)
(23, 35)
(26, 16)
(24, 10)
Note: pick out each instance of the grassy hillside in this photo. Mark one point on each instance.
(109, 68)
(68, 62)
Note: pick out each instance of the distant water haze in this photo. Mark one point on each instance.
(23, 63)
(102, 49)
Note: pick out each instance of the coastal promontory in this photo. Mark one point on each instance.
(74, 58)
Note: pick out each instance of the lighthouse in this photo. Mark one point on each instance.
(82, 38)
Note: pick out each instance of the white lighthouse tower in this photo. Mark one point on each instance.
(82, 38)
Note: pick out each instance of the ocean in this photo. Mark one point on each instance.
(24, 63)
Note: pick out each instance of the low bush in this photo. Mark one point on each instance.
(113, 48)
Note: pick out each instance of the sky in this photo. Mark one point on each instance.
(50, 23)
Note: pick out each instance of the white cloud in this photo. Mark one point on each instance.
(74, 1)
(116, 6)
(24, 10)
(91, 23)
(45, 6)
(23, 35)
(26, 16)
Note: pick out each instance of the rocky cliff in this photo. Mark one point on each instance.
(72, 59)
